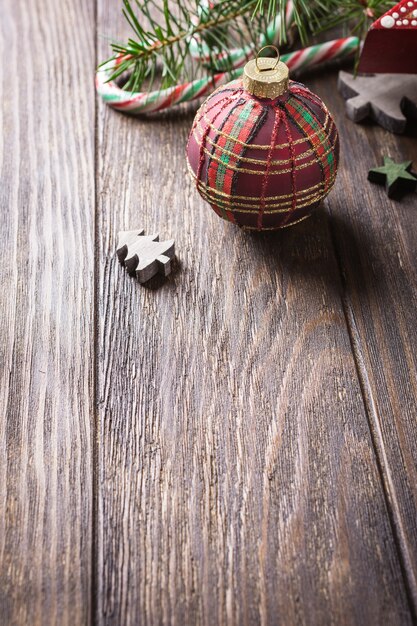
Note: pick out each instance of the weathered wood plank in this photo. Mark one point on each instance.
(46, 303)
(238, 481)
(375, 239)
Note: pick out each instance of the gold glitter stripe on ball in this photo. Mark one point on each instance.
(264, 147)
(268, 199)
(301, 201)
(237, 168)
(250, 208)
(275, 227)
(284, 207)
(243, 159)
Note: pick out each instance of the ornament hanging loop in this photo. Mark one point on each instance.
(266, 69)
(266, 77)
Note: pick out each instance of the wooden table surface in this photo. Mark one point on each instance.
(236, 445)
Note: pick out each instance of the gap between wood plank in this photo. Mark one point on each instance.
(371, 411)
(96, 414)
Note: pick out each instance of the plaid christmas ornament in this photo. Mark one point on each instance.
(263, 163)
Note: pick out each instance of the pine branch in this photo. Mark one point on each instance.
(315, 16)
(175, 41)
(307, 14)
(167, 32)
(356, 15)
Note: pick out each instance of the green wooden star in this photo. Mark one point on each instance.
(397, 177)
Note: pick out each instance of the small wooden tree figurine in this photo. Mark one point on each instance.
(143, 255)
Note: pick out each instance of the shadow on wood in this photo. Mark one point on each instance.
(297, 248)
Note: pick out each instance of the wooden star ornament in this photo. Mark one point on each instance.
(144, 256)
(397, 177)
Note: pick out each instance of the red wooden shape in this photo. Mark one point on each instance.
(391, 43)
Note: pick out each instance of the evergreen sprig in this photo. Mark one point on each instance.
(355, 15)
(315, 16)
(308, 14)
(166, 31)
(168, 34)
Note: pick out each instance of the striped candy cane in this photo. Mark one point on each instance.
(146, 102)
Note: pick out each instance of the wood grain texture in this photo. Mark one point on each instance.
(46, 303)
(256, 458)
(375, 239)
(238, 479)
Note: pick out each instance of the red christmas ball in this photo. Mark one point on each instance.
(263, 163)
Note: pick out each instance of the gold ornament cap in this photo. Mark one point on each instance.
(266, 77)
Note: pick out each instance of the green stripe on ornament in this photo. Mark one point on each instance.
(234, 134)
(309, 125)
